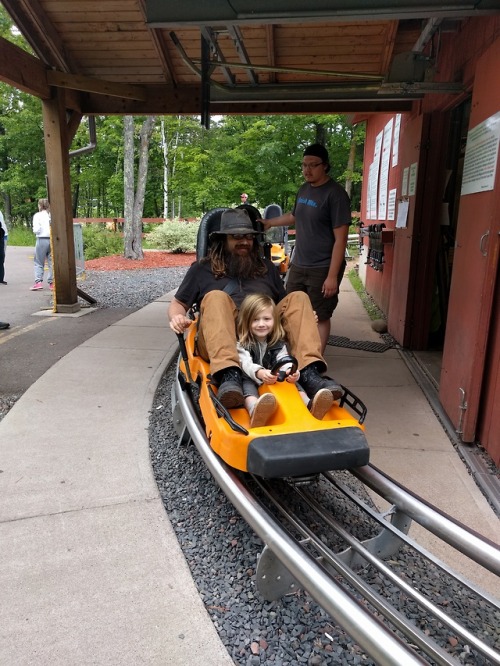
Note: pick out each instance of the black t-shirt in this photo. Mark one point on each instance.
(199, 280)
(318, 211)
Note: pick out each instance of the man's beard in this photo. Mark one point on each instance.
(242, 267)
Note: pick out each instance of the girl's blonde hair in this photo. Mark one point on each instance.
(251, 307)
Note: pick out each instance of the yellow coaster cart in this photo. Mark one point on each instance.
(293, 443)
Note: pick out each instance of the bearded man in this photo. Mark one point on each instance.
(218, 284)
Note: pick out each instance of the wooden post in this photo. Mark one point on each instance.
(57, 155)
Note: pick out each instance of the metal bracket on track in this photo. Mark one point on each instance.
(384, 545)
(275, 581)
(178, 421)
(273, 578)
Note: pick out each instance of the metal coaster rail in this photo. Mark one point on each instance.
(307, 562)
(373, 551)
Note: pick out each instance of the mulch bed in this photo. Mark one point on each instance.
(152, 259)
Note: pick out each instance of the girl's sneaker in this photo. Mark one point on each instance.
(37, 286)
(263, 410)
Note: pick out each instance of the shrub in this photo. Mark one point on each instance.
(176, 237)
(100, 242)
(20, 234)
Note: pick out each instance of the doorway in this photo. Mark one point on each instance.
(431, 358)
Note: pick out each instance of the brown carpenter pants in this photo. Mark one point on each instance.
(217, 331)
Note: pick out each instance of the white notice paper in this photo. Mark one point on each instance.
(391, 205)
(481, 154)
(412, 183)
(384, 171)
(374, 176)
(404, 184)
(395, 141)
(402, 214)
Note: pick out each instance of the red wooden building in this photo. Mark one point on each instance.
(432, 179)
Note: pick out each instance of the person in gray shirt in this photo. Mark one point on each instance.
(321, 216)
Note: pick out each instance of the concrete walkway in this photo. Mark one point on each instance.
(91, 572)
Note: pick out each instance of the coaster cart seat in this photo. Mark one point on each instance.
(210, 222)
(277, 246)
(293, 443)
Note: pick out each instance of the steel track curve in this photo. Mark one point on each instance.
(307, 562)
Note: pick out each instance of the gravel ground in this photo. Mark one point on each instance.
(131, 289)
(7, 402)
(222, 553)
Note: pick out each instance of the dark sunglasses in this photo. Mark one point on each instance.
(241, 236)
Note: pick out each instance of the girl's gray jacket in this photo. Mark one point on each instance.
(260, 356)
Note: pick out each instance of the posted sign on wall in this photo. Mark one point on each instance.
(481, 155)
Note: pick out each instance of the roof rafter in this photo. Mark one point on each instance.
(39, 32)
(161, 48)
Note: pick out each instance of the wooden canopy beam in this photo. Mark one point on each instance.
(87, 84)
(186, 100)
(22, 70)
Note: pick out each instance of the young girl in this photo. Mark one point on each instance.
(261, 342)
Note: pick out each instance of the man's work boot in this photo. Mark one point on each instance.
(312, 382)
(230, 391)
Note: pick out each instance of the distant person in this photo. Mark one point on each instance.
(321, 215)
(261, 343)
(244, 198)
(41, 229)
(3, 247)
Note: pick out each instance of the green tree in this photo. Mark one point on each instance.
(17, 111)
(98, 176)
(134, 196)
(22, 153)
